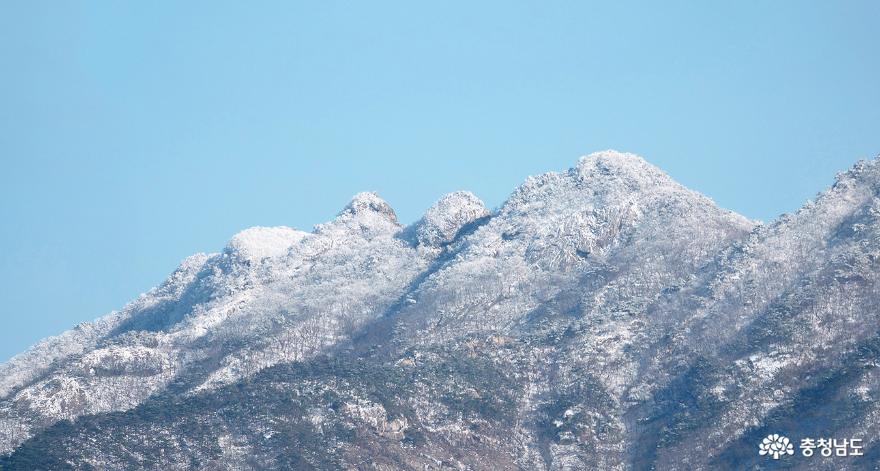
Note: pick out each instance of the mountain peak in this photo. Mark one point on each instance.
(601, 177)
(620, 165)
(369, 203)
(447, 216)
(366, 213)
(863, 171)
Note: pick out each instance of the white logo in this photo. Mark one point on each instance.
(775, 445)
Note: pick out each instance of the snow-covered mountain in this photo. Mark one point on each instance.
(604, 317)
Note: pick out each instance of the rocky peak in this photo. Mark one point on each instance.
(611, 166)
(447, 216)
(367, 213)
(370, 204)
(864, 172)
(606, 178)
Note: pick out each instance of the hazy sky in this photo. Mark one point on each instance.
(133, 134)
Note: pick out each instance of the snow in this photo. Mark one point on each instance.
(558, 226)
(447, 217)
(367, 214)
(257, 243)
(647, 274)
(630, 169)
(369, 202)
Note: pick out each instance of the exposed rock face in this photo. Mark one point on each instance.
(602, 318)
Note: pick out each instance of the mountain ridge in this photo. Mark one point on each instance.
(594, 287)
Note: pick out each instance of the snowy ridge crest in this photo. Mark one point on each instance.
(866, 171)
(257, 243)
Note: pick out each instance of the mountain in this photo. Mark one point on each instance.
(604, 317)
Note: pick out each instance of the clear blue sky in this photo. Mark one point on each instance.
(133, 134)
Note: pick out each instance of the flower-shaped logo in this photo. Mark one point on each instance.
(775, 445)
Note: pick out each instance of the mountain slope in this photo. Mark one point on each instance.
(273, 295)
(603, 317)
